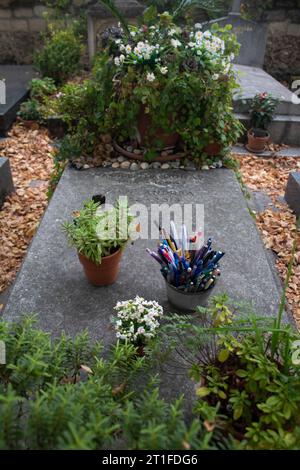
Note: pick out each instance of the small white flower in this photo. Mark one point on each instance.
(150, 77)
(133, 34)
(198, 26)
(164, 70)
(175, 43)
(128, 49)
(215, 76)
(117, 61)
(198, 36)
(172, 32)
(122, 58)
(118, 41)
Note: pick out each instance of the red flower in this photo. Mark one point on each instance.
(263, 96)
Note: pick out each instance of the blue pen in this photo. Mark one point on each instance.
(217, 257)
(202, 252)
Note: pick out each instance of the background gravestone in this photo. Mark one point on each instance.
(6, 182)
(250, 34)
(292, 193)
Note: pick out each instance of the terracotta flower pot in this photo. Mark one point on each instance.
(144, 125)
(213, 149)
(257, 140)
(102, 274)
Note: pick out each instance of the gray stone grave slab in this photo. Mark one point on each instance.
(17, 78)
(6, 182)
(292, 193)
(51, 282)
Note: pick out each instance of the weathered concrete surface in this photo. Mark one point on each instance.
(292, 193)
(17, 78)
(51, 282)
(6, 182)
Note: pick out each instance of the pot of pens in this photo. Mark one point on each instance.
(190, 271)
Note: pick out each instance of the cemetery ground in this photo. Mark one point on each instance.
(30, 152)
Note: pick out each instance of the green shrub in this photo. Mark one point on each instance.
(42, 87)
(248, 382)
(61, 55)
(30, 111)
(63, 394)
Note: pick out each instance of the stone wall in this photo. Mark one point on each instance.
(20, 25)
(21, 22)
(283, 46)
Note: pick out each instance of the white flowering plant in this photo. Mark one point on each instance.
(137, 320)
(180, 76)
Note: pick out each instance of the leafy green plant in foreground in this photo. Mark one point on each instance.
(248, 382)
(64, 394)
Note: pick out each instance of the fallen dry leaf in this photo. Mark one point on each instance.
(278, 226)
(29, 153)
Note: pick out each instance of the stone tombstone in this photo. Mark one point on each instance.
(6, 182)
(100, 18)
(292, 193)
(250, 34)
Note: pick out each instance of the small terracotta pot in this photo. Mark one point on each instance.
(144, 124)
(213, 149)
(257, 140)
(105, 273)
(28, 123)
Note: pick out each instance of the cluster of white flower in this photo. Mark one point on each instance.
(137, 319)
(144, 50)
(200, 41)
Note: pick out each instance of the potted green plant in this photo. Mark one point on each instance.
(169, 84)
(99, 235)
(262, 110)
(137, 321)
